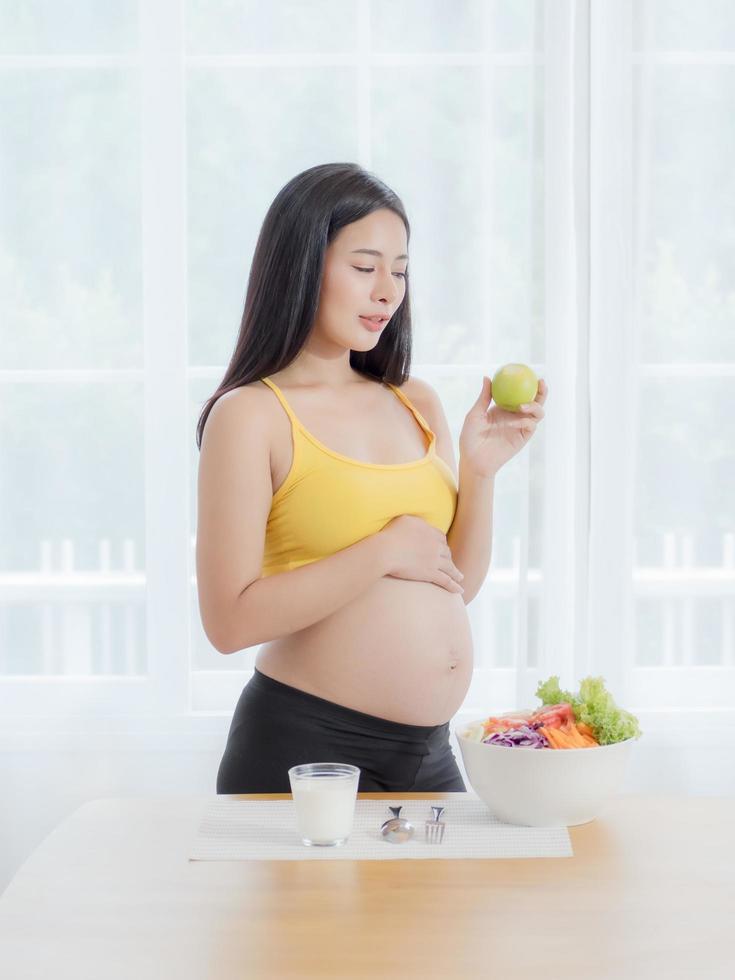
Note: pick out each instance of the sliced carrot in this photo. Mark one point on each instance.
(572, 737)
(547, 733)
(560, 740)
(578, 739)
(567, 737)
(587, 733)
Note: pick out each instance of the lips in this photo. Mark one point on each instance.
(373, 325)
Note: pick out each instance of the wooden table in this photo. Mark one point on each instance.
(650, 892)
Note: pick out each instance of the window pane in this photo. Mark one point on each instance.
(650, 637)
(685, 459)
(679, 632)
(683, 522)
(686, 211)
(434, 25)
(503, 619)
(683, 25)
(70, 254)
(71, 27)
(704, 625)
(517, 25)
(426, 25)
(239, 26)
(66, 638)
(72, 527)
(517, 216)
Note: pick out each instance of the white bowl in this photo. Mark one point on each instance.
(544, 787)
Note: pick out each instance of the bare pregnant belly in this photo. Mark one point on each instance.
(402, 650)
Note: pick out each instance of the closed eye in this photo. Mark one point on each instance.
(360, 269)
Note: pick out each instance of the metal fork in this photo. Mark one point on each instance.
(434, 828)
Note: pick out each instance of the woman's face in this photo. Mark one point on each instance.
(356, 284)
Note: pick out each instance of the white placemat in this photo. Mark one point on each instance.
(265, 830)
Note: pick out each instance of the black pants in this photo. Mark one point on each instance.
(276, 726)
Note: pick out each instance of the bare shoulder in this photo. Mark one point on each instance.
(249, 399)
(245, 409)
(246, 394)
(418, 386)
(422, 394)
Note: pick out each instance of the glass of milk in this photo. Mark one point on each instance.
(324, 795)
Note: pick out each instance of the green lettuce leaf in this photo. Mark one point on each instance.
(551, 693)
(595, 706)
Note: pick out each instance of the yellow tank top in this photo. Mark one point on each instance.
(328, 501)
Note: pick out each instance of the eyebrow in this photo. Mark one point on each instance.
(372, 251)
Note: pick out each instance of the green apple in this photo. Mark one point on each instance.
(514, 385)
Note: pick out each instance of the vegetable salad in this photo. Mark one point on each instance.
(584, 720)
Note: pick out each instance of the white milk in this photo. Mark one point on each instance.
(325, 807)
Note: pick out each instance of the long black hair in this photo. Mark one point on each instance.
(286, 274)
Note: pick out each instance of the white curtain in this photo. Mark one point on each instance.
(567, 167)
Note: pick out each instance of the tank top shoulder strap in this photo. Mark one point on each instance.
(409, 404)
(279, 394)
(404, 398)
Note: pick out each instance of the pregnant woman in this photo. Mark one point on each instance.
(335, 531)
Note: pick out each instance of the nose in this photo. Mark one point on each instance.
(386, 287)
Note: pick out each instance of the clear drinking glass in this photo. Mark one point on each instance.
(324, 795)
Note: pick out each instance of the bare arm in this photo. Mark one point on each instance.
(290, 601)
(471, 535)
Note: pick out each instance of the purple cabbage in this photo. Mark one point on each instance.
(524, 735)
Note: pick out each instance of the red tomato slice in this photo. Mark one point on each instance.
(555, 715)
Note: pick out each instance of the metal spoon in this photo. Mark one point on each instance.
(397, 830)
